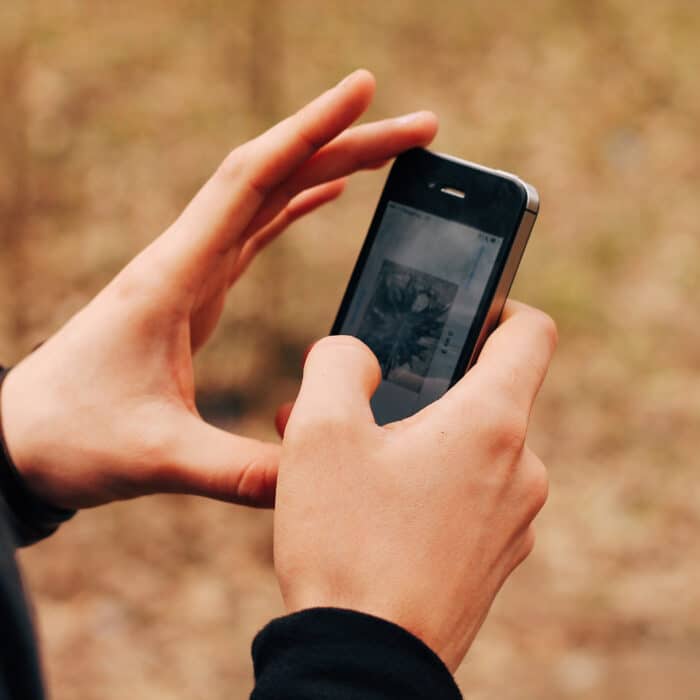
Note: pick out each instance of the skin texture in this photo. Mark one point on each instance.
(105, 409)
(418, 522)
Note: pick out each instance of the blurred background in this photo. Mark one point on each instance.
(112, 115)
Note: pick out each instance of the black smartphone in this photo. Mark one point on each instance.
(434, 273)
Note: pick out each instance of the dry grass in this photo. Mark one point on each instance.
(113, 113)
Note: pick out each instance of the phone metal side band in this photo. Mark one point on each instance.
(499, 298)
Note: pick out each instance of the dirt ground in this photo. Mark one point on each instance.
(112, 115)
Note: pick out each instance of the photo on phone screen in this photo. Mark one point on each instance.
(415, 302)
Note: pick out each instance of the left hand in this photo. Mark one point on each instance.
(105, 409)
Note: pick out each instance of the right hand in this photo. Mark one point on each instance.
(419, 522)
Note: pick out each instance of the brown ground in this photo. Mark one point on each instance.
(112, 114)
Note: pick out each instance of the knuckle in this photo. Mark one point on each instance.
(522, 547)
(307, 429)
(256, 477)
(547, 327)
(233, 164)
(510, 438)
(127, 286)
(310, 141)
(239, 166)
(254, 245)
(536, 485)
(527, 545)
(506, 427)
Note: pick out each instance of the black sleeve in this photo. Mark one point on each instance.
(29, 517)
(20, 671)
(333, 654)
(24, 519)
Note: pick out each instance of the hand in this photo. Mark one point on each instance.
(418, 522)
(105, 409)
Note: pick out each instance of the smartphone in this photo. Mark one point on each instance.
(434, 273)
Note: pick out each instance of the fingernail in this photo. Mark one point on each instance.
(408, 118)
(348, 78)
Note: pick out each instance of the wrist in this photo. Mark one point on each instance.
(17, 435)
(446, 636)
(386, 613)
(20, 410)
(31, 516)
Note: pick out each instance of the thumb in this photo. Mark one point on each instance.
(285, 410)
(340, 375)
(215, 463)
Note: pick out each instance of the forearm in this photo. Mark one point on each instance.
(340, 654)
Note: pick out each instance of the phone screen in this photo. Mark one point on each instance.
(415, 302)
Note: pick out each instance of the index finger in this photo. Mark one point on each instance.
(222, 209)
(513, 361)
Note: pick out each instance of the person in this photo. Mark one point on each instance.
(390, 543)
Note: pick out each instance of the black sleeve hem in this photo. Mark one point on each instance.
(31, 518)
(346, 655)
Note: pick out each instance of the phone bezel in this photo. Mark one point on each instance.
(495, 202)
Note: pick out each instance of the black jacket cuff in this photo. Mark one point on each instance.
(346, 655)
